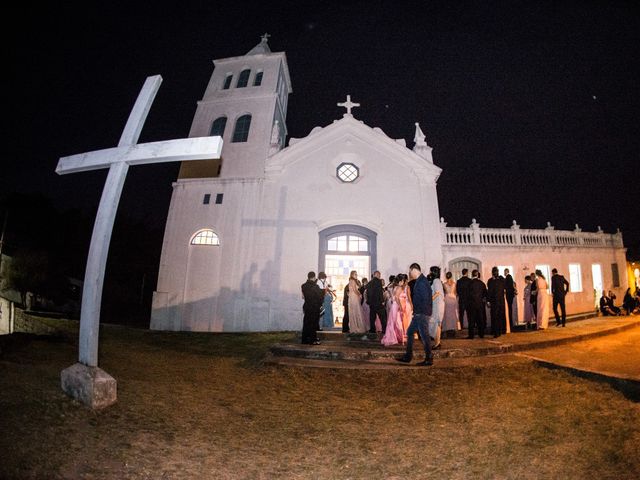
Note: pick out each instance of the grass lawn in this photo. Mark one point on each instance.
(195, 406)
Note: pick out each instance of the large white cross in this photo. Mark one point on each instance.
(348, 104)
(117, 160)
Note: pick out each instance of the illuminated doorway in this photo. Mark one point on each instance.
(596, 274)
(344, 248)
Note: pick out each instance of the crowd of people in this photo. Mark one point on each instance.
(389, 311)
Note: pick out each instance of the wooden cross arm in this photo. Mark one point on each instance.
(200, 148)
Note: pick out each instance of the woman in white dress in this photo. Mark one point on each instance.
(542, 316)
(437, 314)
(450, 321)
(356, 317)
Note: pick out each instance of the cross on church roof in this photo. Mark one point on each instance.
(348, 104)
(265, 37)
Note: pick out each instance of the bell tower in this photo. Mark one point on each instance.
(245, 103)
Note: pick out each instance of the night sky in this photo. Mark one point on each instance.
(532, 108)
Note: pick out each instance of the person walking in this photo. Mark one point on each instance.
(559, 289)
(422, 309)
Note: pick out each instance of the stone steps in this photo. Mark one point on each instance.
(358, 349)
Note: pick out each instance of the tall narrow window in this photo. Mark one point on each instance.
(241, 132)
(218, 125)
(258, 80)
(575, 277)
(243, 78)
(615, 274)
(227, 82)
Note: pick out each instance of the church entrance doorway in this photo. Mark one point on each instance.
(457, 265)
(344, 248)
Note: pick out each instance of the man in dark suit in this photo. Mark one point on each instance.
(462, 289)
(495, 298)
(375, 299)
(510, 292)
(475, 307)
(559, 289)
(313, 297)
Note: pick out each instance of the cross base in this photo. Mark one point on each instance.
(89, 385)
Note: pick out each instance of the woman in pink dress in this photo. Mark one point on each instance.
(404, 299)
(394, 334)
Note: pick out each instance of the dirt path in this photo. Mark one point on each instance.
(616, 355)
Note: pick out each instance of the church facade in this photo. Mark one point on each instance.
(243, 231)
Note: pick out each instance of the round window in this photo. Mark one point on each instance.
(348, 172)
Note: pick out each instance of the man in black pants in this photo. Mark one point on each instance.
(313, 297)
(477, 297)
(345, 305)
(510, 292)
(375, 299)
(559, 289)
(462, 289)
(495, 298)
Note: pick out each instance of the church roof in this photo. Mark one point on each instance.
(321, 137)
(260, 48)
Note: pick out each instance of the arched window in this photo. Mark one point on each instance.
(347, 243)
(241, 132)
(218, 125)
(227, 81)
(205, 237)
(243, 79)
(258, 80)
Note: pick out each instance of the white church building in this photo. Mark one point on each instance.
(243, 231)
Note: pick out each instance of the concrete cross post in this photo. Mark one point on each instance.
(84, 380)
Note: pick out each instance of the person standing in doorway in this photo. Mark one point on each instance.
(450, 321)
(526, 297)
(542, 301)
(495, 297)
(313, 297)
(462, 290)
(375, 299)
(475, 307)
(534, 298)
(510, 293)
(422, 308)
(559, 289)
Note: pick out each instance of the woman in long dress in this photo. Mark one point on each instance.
(528, 308)
(394, 333)
(437, 314)
(356, 318)
(404, 300)
(327, 318)
(542, 316)
(450, 320)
